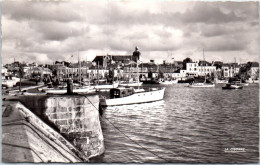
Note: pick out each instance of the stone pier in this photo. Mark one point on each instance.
(76, 118)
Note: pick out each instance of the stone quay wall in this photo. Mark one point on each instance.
(77, 119)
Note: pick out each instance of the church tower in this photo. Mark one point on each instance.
(136, 54)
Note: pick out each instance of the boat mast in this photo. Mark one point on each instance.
(79, 70)
(137, 74)
(204, 66)
(98, 72)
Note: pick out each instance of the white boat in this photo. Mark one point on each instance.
(106, 86)
(217, 81)
(130, 84)
(251, 81)
(123, 96)
(10, 83)
(33, 94)
(77, 90)
(201, 85)
(168, 82)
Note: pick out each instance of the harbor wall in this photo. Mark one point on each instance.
(75, 117)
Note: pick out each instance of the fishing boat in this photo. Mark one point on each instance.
(232, 86)
(124, 96)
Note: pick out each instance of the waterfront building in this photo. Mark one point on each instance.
(206, 70)
(192, 69)
(230, 69)
(98, 72)
(195, 69)
(179, 74)
(37, 71)
(4, 71)
(254, 70)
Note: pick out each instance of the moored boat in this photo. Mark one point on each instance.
(130, 84)
(232, 86)
(106, 86)
(168, 82)
(77, 90)
(217, 81)
(123, 96)
(201, 85)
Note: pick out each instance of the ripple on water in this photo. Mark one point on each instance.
(189, 126)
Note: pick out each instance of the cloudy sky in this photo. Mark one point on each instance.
(48, 31)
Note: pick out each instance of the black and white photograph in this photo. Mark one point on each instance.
(130, 81)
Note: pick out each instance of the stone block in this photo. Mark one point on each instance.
(78, 108)
(70, 109)
(62, 122)
(80, 101)
(64, 130)
(52, 116)
(64, 115)
(51, 110)
(63, 102)
(78, 114)
(62, 109)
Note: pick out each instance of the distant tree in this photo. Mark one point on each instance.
(218, 66)
(185, 61)
(20, 74)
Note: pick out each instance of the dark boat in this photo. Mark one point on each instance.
(232, 86)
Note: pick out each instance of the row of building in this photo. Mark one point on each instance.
(125, 66)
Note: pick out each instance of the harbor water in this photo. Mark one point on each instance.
(191, 125)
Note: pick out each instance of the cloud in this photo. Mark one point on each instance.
(41, 11)
(54, 30)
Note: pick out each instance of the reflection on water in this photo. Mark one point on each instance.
(191, 125)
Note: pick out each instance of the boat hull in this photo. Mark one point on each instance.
(142, 97)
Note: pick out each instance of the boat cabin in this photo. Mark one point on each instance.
(121, 92)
